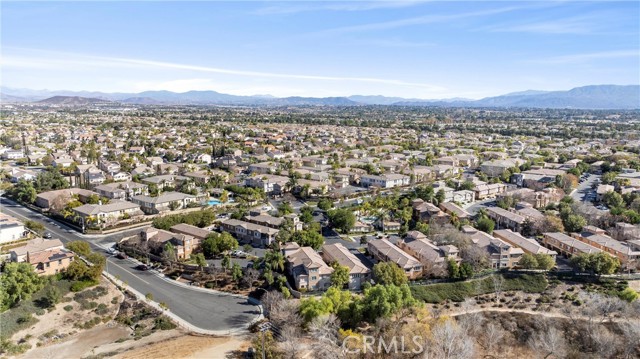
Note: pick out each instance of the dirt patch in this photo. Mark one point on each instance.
(61, 324)
(81, 345)
(185, 346)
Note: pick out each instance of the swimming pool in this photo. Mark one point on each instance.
(213, 202)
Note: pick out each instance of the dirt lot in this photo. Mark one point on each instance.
(55, 336)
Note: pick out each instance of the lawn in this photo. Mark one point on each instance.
(25, 314)
(459, 291)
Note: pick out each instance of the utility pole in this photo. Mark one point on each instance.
(263, 328)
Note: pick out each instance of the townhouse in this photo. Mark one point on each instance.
(433, 258)
(387, 180)
(506, 219)
(167, 201)
(384, 251)
(157, 240)
(106, 214)
(247, 232)
(307, 268)
(499, 253)
(566, 245)
(528, 245)
(359, 273)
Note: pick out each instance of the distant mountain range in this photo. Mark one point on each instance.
(587, 97)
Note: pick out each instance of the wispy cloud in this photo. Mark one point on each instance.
(586, 24)
(586, 57)
(299, 7)
(412, 21)
(66, 60)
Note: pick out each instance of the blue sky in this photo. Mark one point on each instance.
(413, 49)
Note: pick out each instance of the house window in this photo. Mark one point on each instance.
(60, 262)
(48, 264)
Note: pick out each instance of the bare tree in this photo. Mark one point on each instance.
(324, 331)
(548, 341)
(290, 342)
(449, 341)
(285, 314)
(631, 335)
(604, 342)
(270, 300)
(492, 335)
(498, 284)
(471, 321)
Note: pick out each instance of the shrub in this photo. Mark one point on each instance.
(81, 285)
(163, 323)
(68, 308)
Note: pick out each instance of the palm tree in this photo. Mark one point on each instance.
(274, 260)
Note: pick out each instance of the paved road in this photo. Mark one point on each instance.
(584, 190)
(204, 309)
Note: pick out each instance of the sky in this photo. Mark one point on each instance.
(411, 49)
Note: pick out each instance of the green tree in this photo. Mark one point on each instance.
(308, 238)
(528, 261)
(545, 261)
(216, 243)
(285, 208)
(325, 204)
(274, 260)
(24, 191)
(440, 196)
(381, 301)
(169, 252)
(485, 224)
(574, 223)
(453, 269)
(19, 281)
(340, 276)
(342, 219)
(35, 226)
(387, 273)
(199, 259)
(226, 262)
(51, 296)
(236, 272)
(466, 270)
(595, 263)
(613, 199)
(79, 247)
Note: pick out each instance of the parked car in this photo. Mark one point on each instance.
(122, 255)
(47, 235)
(142, 267)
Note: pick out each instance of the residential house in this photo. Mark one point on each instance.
(10, 229)
(500, 253)
(506, 219)
(106, 214)
(122, 190)
(387, 180)
(200, 234)
(248, 232)
(596, 237)
(528, 245)
(566, 245)
(433, 258)
(428, 212)
(455, 210)
(50, 262)
(167, 201)
(358, 272)
(308, 269)
(34, 246)
(270, 184)
(384, 251)
(485, 190)
(183, 244)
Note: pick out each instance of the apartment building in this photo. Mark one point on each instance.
(307, 268)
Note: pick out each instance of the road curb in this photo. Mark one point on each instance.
(181, 322)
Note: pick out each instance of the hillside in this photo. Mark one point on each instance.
(71, 101)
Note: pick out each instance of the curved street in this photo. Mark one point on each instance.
(205, 309)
